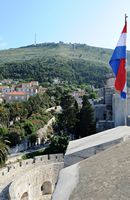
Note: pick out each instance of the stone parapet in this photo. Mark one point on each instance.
(88, 146)
(45, 159)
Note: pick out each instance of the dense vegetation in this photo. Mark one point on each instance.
(29, 116)
(58, 144)
(26, 118)
(75, 121)
(72, 123)
(20, 120)
(3, 151)
(72, 63)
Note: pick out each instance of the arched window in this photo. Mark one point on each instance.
(46, 188)
(24, 196)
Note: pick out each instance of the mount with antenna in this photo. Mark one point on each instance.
(35, 39)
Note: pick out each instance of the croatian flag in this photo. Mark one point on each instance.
(118, 63)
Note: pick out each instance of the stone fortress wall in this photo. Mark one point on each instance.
(45, 159)
(32, 179)
(36, 184)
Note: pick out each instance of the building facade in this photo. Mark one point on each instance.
(16, 96)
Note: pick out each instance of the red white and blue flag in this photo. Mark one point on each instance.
(118, 63)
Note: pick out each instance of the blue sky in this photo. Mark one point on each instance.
(93, 22)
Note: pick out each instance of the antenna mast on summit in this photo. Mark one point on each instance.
(126, 18)
(35, 39)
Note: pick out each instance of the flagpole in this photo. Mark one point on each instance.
(118, 63)
(126, 82)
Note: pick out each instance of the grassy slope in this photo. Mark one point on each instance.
(79, 54)
(69, 51)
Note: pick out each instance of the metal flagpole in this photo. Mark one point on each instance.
(126, 83)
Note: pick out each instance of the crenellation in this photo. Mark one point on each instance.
(12, 168)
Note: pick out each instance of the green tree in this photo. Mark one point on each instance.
(3, 131)
(68, 118)
(17, 110)
(3, 152)
(14, 138)
(3, 145)
(32, 138)
(4, 115)
(29, 128)
(93, 95)
(58, 143)
(4, 134)
(15, 134)
(58, 92)
(86, 119)
(33, 105)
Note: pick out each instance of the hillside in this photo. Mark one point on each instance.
(74, 63)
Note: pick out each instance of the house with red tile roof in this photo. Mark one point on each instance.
(4, 88)
(16, 96)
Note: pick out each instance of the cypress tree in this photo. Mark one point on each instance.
(87, 124)
(68, 118)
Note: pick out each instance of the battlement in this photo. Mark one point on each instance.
(45, 159)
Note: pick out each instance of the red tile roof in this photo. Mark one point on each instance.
(16, 93)
(3, 86)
